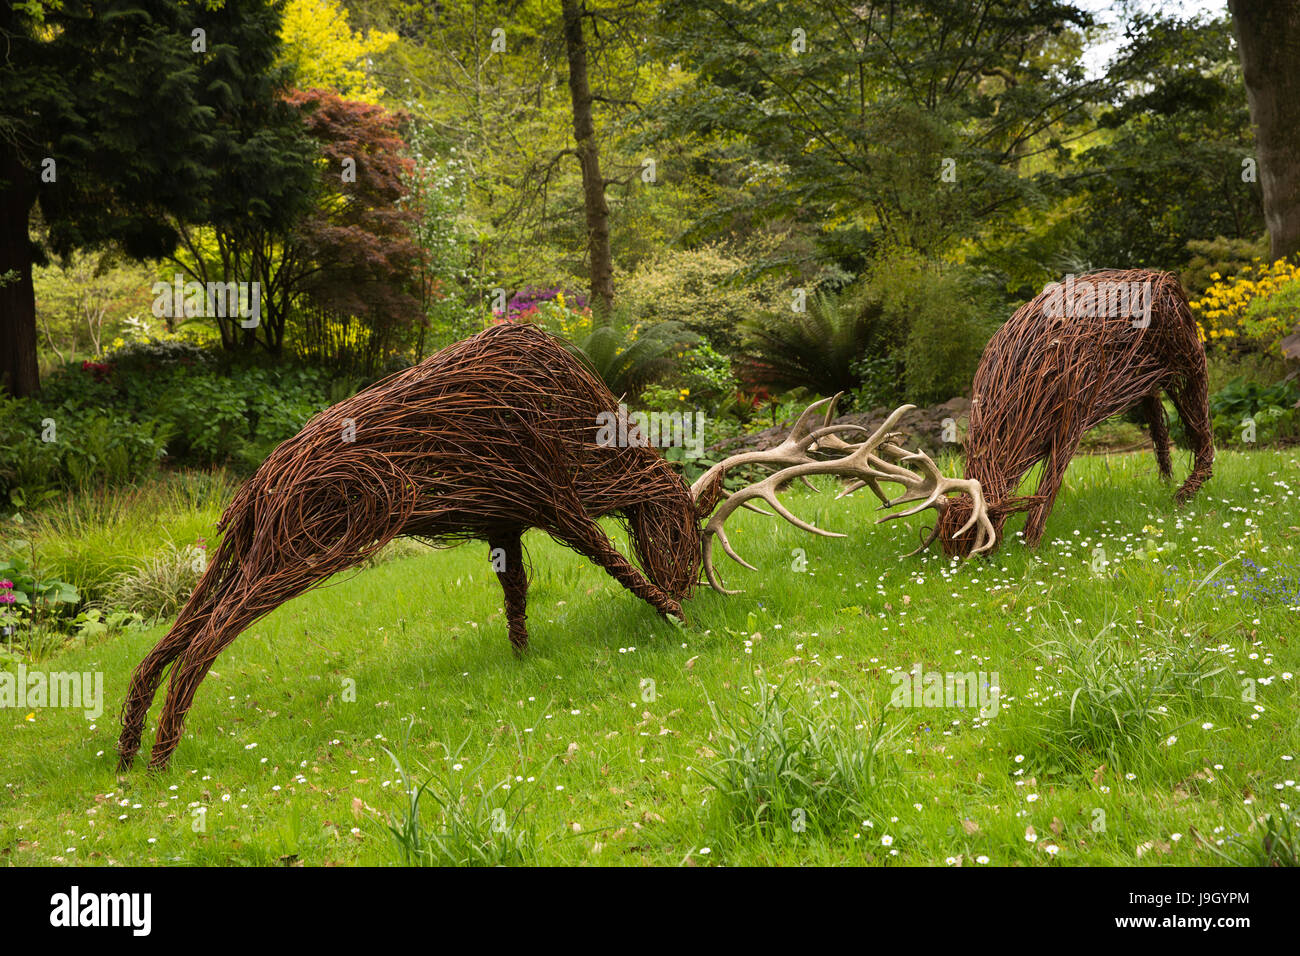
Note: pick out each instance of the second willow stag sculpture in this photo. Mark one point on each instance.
(484, 440)
(1070, 358)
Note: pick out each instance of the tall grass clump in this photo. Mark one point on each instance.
(1271, 840)
(92, 539)
(158, 586)
(786, 769)
(471, 827)
(1119, 694)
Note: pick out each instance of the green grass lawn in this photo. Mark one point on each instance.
(1146, 714)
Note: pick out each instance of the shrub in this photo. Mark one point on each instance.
(556, 310)
(700, 289)
(240, 418)
(818, 348)
(35, 605)
(702, 377)
(153, 355)
(943, 320)
(880, 379)
(113, 424)
(912, 323)
(1251, 310)
(630, 357)
(1249, 412)
(1219, 255)
(531, 298)
(44, 447)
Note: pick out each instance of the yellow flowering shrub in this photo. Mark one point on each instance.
(1253, 308)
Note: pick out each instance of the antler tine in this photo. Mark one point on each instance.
(933, 490)
(859, 462)
(794, 450)
(832, 442)
(791, 451)
(766, 490)
(876, 459)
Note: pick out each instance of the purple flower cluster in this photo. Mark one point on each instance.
(529, 297)
(7, 592)
(1272, 585)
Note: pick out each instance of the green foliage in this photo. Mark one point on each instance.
(29, 588)
(46, 446)
(151, 357)
(96, 537)
(94, 622)
(817, 348)
(35, 605)
(159, 585)
(165, 398)
(946, 321)
(236, 419)
(1273, 315)
(627, 357)
(702, 379)
(1271, 409)
(880, 380)
(1219, 256)
(913, 330)
(82, 304)
(852, 133)
(1167, 167)
(213, 123)
(702, 290)
(323, 52)
(437, 195)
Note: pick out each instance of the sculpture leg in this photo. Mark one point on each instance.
(1049, 486)
(1155, 413)
(144, 685)
(1191, 398)
(508, 560)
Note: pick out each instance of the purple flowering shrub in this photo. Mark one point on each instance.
(558, 310)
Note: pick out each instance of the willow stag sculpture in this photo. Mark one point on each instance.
(484, 440)
(1078, 353)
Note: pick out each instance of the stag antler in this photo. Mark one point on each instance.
(793, 451)
(863, 462)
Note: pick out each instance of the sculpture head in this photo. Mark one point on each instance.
(665, 535)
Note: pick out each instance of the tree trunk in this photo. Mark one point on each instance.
(593, 186)
(19, 374)
(1268, 37)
